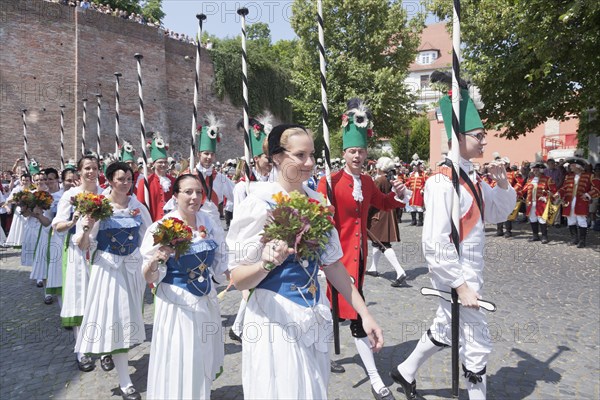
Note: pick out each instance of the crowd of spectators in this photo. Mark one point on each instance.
(123, 14)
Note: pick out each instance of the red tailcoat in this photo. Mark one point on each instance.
(351, 223)
(545, 188)
(416, 183)
(158, 197)
(584, 185)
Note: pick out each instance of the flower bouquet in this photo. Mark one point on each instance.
(43, 199)
(174, 233)
(302, 222)
(94, 205)
(25, 199)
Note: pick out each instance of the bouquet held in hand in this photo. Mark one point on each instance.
(94, 205)
(174, 233)
(25, 199)
(302, 222)
(43, 199)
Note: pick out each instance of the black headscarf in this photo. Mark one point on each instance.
(274, 139)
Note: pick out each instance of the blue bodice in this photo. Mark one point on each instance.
(294, 282)
(119, 234)
(191, 270)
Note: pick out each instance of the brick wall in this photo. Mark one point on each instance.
(52, 54)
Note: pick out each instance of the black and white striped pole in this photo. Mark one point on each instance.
(325, 118)
(99, 108)
(201, 18)
(139, 57)
(117, 105)
(83, 126)
(62, 137)
(25, 149)
(242, 12)
(455, 158)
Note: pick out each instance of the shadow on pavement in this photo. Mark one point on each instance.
(526, 374)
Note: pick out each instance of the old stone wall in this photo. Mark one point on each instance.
(52, 55)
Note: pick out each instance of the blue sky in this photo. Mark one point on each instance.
(222, 19)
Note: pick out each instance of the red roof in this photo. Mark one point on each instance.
(435, 37)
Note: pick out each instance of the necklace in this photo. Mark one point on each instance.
(196, 274)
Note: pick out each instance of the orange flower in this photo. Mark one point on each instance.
(280, 198)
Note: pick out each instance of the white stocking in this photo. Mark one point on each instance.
(390, 254)
(375, 259)
(366, 355)
(122, 367)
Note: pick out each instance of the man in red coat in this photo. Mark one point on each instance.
(576, 193)
(160, 183)
(537, 191)
(353, 194)
(416, 183)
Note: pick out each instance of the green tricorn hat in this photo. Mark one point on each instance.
(209, 134)
(357, 125)
(127, 152)
(34, 167)
(469, 117)
(158, 147)
(259, 129)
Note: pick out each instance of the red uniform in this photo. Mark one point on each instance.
(569, 190)
(351, 219)
(416, 183)
(158, 196)
(545, 188)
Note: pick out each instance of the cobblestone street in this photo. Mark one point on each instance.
(545, 332)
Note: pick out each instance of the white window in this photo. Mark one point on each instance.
(427, 57)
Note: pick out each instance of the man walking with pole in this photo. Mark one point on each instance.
(479, 204)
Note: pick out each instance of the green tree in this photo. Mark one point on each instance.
(413, 139)
(152, 11)
(531, 59)
(369, 46)
(259, 32)
(127, 5)
(268, 83)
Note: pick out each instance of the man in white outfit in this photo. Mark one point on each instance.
(479, 204)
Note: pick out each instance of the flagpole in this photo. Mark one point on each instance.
(242, 12)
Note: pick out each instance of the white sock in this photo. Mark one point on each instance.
(425, 349)
(375, 259)
(390, 254)
(366, 355)
(238, 324)
(122, 367)
(477, 391)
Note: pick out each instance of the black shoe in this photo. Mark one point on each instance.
(86, 364)
(48, 299)
(372, 273)
(40, 284)
(534, 239)
(507, 234)
(337, 368)
(130, 393)
(383, 394)
(410, 389)
(233, 336)
(399, 281)
(107, 363)
(544, 240)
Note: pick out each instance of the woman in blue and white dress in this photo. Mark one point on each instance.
(57, 239)
(75, 262)
(42, 219)
(113, 321)
(17, 227)
(35, 223)
(287, 323)
(187, 341)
